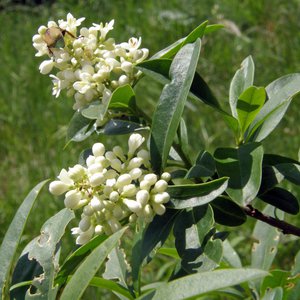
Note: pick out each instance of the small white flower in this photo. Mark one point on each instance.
(57, 85)
(72, 199)
(85, 223)
(160, 209)
(96, 204)
(160, 186)
(134, 206)
(96, 179)
(150, 178)
(142, 197)
(123, 180)
(58, 187)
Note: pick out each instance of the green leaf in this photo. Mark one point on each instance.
(280, 93)
(242, 79)
(93, 111)
(123, 98)
(191, 195)
(171, 252)
(116, 127)
(183, 137)
(248, 105)
(154, 236)
(201, 283)
(87, 270)
(243, 166)
(72, 262)
(281, 199)
(116, 267)
(265, 249)
(230, 255)
(290, 171)
(111, 286)
(171, 50)
(274, 279)
(273, 294)
(80, 128)
(227, 212)
(43, 251)
(274, 159)
(204, 167)
(193, 241)
(168, 113)
(13, 235)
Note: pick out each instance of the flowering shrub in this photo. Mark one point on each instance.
(161, 191)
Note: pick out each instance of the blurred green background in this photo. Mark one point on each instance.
(33, 123)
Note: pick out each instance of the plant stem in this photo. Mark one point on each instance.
(285, 227)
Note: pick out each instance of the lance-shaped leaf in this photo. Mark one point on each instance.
(171, 50)
(87, 270)
(191, 195)
(243, 166)
(154, 236)
(168, 113)
(230, 255)
(248, 105)
(13, 235)
(43, 251)
(201, 283)
(192, 231)
(280, 93)
(227, 212)
(204, 166)
(80, 128)
(290, 171)
(242, 79)
(265, 249)
(281, 199)
(116, 127)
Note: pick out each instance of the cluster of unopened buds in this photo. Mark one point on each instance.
(90, 65)
(111, 188)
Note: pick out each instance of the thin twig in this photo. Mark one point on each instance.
(285, 227)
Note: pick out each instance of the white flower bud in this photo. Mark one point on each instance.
(144, 154)
(110, 155)
(95, 168)
(160, 186)
(110, 174)
(126, 66)
(90, 160)
(72, 199)
(96, 179)
(166, 176)
(84, 223)
(135, 162)
(118, 212)
(116, 164)
(135, 173)
(88, 210)
(98, 149)
(159, 208)
(151, 178)
(161, 198)
(133, 206)
(118, 151)
(58, 187)
(145, 185)
(114, 225)
(99, 229)
(132, 218)
(123, 80)
(129, 190)
(134, 142)
(107, 190)
(46, 66)
(148, 212)
(123, 180)
(84, 237)
(142, 197)
(102, 161)
(96, 204)
(114, 196)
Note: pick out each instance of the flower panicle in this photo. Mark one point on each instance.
(112, 187)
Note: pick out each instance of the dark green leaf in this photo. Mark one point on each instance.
(72, 262)
(242, 79)
(274, 159)
(116, 127)
(87, 270)
(281, 199)
(154, 236)
(280, 93)
(201, 283)
(191, 195)
(80, 128)
(43, 251)
(249, 104)
(171, 104)
(270, 178)
(13, 234)
(290, 171)
(204, 167)
(227, 212)
(243, 166)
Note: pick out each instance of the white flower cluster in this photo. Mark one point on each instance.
(112, 187)
(90, 65)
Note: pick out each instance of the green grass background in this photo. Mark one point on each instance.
(33, 123)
